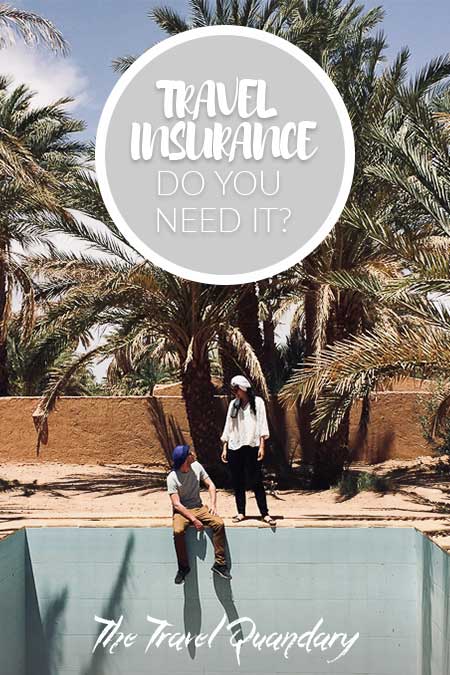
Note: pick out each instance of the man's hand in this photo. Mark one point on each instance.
(213, 510)
(198, 525)
(260, 454)
(223, 456)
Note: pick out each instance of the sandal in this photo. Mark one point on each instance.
(269, 520)
(238, 519)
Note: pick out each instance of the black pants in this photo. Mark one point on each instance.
(243, 464)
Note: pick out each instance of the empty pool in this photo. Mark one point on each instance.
(85, 601)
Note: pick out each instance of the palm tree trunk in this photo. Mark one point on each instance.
(327, 459)
(270, 352)
(3, 306)
(227, 362)
(308, 443)
(248, 320)
(330, 457)
(202, 412)
(328, 463)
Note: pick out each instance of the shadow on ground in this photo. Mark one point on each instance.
(115, 480)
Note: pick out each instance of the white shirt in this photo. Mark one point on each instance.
(246, 428)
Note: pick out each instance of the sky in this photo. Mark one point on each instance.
(101, 30)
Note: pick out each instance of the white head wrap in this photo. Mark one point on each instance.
(241, 382)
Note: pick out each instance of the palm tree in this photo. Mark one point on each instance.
(29, 199)
(270, 16)
(27, 379)
(125, 377)
(409, 231)
(34, 30)
(151, 314)
(353, 57)
(340, 37)
(333, 33)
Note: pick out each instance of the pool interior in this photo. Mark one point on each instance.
(389, 585)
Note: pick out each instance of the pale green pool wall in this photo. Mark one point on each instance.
(434, 608)
(12, 605)
(356, 579)
(391, 585)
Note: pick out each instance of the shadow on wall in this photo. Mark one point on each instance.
(44, 649)
(167, 428)
(224, 594)
(86, 430)
(434, 609)
(130, 571)
(373, 448)
(45, 655)
(192, 611)
(426, 641)
(383, 448)
(114, 607)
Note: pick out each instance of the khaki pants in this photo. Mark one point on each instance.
(180, 524)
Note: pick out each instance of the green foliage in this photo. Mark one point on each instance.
(41, 160)
(26, 381)
(353, 482)
(140, 379)
(403, 226)
(289, 356)
(364, 302)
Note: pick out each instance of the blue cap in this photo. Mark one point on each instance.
(179, 455)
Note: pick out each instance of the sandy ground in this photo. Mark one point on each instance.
(69, 495)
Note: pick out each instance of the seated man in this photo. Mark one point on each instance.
(183, 485)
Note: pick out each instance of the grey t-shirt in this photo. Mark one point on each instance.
(187, 485)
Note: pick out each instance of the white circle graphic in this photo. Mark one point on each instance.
(313, 192)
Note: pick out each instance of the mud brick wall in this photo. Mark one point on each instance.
(138, 429)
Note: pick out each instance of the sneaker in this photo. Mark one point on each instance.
(221, 570)
(181, 574)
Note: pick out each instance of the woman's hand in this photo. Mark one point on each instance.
(260, 454)
(223, 456)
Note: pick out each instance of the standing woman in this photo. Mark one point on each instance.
(243, 438)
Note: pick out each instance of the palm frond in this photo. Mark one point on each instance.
(247, 357)
(31, 28)
(122, 63)
(169, 20)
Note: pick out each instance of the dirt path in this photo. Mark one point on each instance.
(69, 495)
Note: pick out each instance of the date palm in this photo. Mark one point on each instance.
(412, 230)
(340, 37)
(270, 16)
(27, 379)
(34, 30)
(29, 198)
(375, 96)
(150, 314)
(252, 13)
